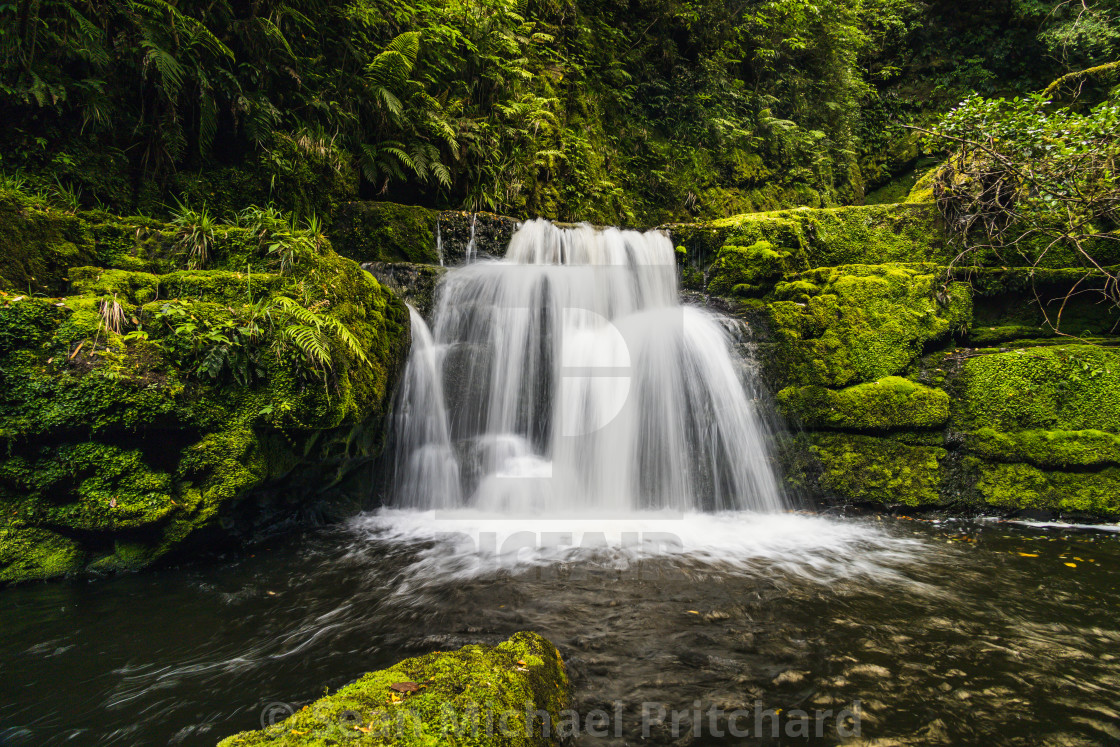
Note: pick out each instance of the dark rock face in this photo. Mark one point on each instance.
(491, 235)
(388, 232)
(415, 284)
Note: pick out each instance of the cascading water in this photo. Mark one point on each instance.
(568, 378)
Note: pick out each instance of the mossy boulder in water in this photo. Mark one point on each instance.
(509, 695)
(866, 469)
(145, 409)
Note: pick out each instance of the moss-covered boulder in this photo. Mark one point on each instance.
(891, 403)
(1068, 387)
(838, 326)
(142, 408)
(890, 359)
(509, 695)
(866, 469)
(871, 234)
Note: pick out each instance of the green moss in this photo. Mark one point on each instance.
(1047, 449)
(38, 244)
(386, 232)
(864, 323)
(887, 404)
(31, 553)
(1071, 388)
(474, 696)
(870, 234)
(922, 191)
(127, 441)
(1024, 486)
(747, 271)
(864, 469)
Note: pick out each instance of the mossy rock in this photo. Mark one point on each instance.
(891, 403)
(1023, 486)
(494, 696)
(839, 326)
(1070, 388)
(1047, 449)
(491, 233)
(386, 232)
(38, 245)
(748, 270)
(865, 469)
(127, 432)
(867, 234)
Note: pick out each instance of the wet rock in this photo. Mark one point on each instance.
(415, 284)
(512, 679)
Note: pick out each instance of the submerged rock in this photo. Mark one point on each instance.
(511, 694)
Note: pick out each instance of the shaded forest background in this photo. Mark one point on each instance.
(615, 111)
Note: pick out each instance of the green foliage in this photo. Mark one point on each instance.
(194, 234)
(1033, 184)
(568, 110)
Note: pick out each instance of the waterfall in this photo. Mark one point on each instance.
(567, 377)
(439, 245)
(470, 252)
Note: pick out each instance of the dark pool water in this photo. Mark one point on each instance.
(959, 633)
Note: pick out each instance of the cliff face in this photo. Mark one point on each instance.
(144, 405)
(909, 383)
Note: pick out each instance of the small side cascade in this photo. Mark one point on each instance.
(471, 253)
(439, 244)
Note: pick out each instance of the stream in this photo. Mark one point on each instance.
(972, 632)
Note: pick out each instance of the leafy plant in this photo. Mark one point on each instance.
(195, 233)
(1028, 180)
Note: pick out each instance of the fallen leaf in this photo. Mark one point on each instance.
(1028, 554)
(693, 612)
(1072, 565)
(404, 687)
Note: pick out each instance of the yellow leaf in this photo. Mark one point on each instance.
(1029, 554)
(693, 612)
(1072, 565)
